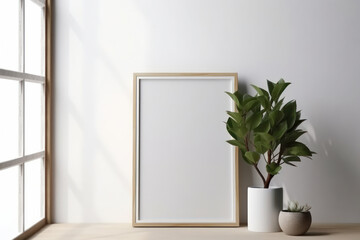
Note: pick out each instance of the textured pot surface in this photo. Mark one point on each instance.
(264, 206)
(295, 223)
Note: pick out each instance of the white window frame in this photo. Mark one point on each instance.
(21, 76)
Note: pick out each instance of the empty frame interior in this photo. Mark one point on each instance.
(185, 174)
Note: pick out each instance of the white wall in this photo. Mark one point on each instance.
(315, 44)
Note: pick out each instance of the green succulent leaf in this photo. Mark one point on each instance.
(273, 168)
(298, 149)
(252, 157)
(254, 120)
(289, 111)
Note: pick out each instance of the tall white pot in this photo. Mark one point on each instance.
(264, 206)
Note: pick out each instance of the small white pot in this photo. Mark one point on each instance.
(264, 206)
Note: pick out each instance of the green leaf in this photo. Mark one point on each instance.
(265, 137)
(290, 159)
(261, 148)
(297, 149)
(252, 157)
(237, 131)
(278, 105)
(236, 116)
(293, 135)
(237, 143)
(251, 104)
(245, 159)
(291, 164)
(263, 127)
(235, 99)
(273, 168)
(246, 97)
(262, 142)
(261, 92)
(289, 111)
(254, 120)
(231, 125)
(278, 89)
(275, 117)
(280, 130)
(270, 85)
(239, 96)
(264, 102)
(297, 123)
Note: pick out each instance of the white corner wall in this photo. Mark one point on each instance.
(315, 44)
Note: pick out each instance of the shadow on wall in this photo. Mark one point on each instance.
(330, 177)
(328, 182)
(79, 119)
(247, 176)
(322, 182)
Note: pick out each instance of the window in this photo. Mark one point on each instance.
(22, 119)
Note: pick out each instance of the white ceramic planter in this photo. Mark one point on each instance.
(264, 206)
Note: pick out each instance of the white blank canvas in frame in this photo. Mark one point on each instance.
(185, 174)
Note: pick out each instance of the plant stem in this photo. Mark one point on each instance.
(246, 142)
(269, 156)
(261, 175)
(280, 154)
(268, 180)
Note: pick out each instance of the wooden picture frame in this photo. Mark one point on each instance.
(184, 172)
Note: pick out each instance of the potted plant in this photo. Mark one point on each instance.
(264, 127)
(296, 220)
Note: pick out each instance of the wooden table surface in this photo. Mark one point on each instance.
(126, 231)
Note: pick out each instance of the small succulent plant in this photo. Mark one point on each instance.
(294, 206)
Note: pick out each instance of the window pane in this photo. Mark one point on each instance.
(9, 203)
(34, 195)
(9, 120)
(34, 38)
(9, 40)
(34, 120)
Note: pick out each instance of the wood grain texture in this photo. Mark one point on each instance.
(126, 232)
(31, 231)
(48, 111)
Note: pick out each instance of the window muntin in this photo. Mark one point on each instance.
(22, 107)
